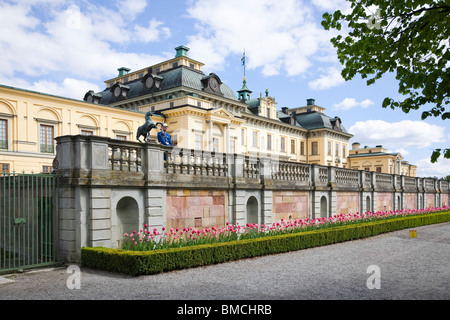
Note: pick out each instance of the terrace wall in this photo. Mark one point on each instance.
(109, 187)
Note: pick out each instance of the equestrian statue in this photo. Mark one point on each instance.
(145, 129)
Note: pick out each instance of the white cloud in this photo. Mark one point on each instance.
(440, 169)
(331, 5)
(350, 103)
(331, 78)
(279, 36)
(153, 32)
(402, 134)
(76, 41)
(69, 88)
(402, 151)
(131, 8)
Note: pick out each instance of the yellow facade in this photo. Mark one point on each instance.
(380, 160)
(32, 120)
(201, 112)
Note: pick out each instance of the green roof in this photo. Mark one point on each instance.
(173, 78)
(375, 154)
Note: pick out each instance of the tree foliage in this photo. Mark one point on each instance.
(407, 37)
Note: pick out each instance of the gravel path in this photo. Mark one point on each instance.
(409, 269)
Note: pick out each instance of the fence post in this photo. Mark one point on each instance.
(153, 161)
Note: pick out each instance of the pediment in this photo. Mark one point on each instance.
(222, 112)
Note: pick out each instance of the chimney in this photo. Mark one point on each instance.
(284, 110)
(355, 145)
(182, 51)
(123, 71)
(310, 102)
(293, 117)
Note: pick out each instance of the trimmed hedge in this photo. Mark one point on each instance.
(151, 262)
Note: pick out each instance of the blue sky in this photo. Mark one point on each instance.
(67, 47)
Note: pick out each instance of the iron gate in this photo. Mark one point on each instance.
(28, 220)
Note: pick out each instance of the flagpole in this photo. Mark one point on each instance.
(243, 62)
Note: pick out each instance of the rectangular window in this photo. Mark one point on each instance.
(314, 148)
(243, 137)
(344, 152)
(215, 144)
(269, 141)
(4, 167)
(255, 139)
(46, 169)
(232, 146)
(329, 148)
(268, 112)
(121, 137)
(283, 144)
(46, 136)
(198, 142)
(87, 132)
(292, 146)
(337, 150)
(302, 148)
(3, 134)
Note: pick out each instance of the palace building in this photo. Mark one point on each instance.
(201, 111)
(29, 122)
(380, 160)
(204, 113)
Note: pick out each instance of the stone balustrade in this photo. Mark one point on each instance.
(109, 187)
(99, 157)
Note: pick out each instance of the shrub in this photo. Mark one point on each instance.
(162, 260)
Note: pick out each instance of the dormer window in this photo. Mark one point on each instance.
(92, 97)
(152, 81)
(211, 84)
(149, 82)
(119, 91)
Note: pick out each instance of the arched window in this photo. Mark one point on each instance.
(127, 211)
(323, 207)
(252, 210)
(368, 206)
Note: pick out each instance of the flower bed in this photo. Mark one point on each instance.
(145, 239)
(144, 262)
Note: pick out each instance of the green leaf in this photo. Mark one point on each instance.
(435, 155)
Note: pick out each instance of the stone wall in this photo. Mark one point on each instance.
(290, 205)
(196, 208)
(444, 200)
(384, 201)
(410, 201)
(347, 202)
(430, 200)
(109, 187)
